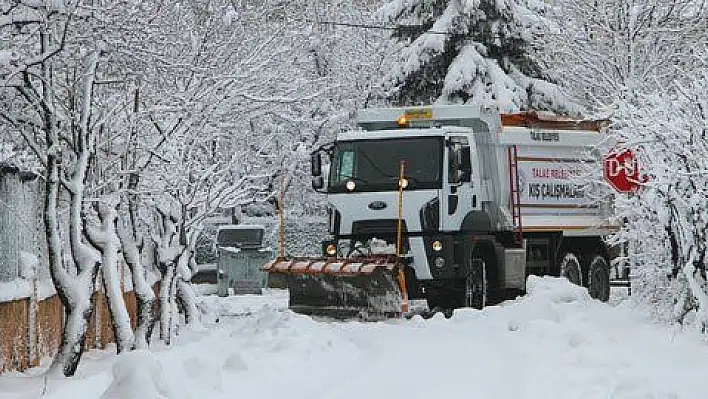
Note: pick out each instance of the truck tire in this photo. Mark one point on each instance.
(599, 279)
(570, 269)
(476, 288)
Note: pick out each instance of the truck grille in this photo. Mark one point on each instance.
(374, 227)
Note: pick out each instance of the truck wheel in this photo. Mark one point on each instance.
(599, 279)
(476, 282)
(570, 269)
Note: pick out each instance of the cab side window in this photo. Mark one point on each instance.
(459, 165)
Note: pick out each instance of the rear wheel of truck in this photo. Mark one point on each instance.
(570, 269)
(476, 285)
(599, 278)
(476, 290)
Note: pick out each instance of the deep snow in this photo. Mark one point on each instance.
(553, 343)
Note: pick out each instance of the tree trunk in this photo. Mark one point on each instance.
(107, 242)
(120, 319)
(173, 308)
(185, 293)
(75, 298)
(166, 301)
(188, 300)
(74, 291)
(144, 294)
(696, 284)
(171, 256)
(73, 337)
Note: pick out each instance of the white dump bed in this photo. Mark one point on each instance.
(553, 163)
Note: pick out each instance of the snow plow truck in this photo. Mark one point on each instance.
(453, 204)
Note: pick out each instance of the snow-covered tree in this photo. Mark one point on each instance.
(641, 64)
(216, 93)
(114, 98)
(209, 180)
(602, 49)
(471, 51)
(53, 113)
(670, 131)
(147, 117)
(346, 61)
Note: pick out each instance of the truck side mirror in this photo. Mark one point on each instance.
(316, 164)
(317, 182)
(460, 166)
(461, 175)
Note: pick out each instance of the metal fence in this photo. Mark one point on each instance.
(21, 224)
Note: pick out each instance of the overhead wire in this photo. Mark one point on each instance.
(372, 26)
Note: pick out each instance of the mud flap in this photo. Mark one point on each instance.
(365, 289)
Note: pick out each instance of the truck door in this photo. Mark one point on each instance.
(459, 197)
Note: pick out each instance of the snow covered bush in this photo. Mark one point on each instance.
(666, 221)
(138, 374)
(642, 65)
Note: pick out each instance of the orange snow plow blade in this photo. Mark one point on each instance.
(368, 288)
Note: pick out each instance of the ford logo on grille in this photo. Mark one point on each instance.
(377, 205)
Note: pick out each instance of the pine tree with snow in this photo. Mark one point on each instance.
(472, 51)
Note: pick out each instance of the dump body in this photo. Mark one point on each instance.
(554, 163)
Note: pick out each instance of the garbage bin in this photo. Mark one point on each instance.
(241, 256)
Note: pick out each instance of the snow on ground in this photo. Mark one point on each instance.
(553, 343)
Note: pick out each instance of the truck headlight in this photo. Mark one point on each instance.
(439, 262)
(331, 250)
(351, 185)
(437, 246)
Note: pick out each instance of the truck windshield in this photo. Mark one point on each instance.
(373, 165)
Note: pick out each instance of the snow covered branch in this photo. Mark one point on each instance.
(669, 214)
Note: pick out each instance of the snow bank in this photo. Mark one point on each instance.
(20, 288)
(554, 342)
(256, 352)
(548, 301)
(23, 286)
(206, 288)
(243, 305)
(554, 290)
(138, 374)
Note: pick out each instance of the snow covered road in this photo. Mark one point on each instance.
(553, 343)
